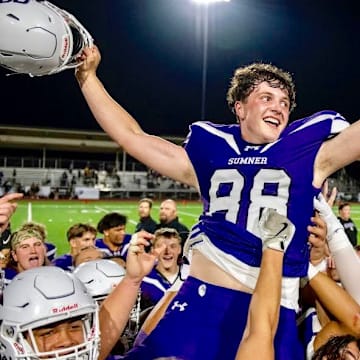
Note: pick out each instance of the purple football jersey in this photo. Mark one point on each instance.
(238, 179)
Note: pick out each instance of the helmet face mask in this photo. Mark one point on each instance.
(38, 38)
(49, 300)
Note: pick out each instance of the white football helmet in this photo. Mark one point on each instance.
(41, 297)
(100, 276)
(38, 38)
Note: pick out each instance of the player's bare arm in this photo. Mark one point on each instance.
(161, 155)
(336, 153)
(115, 310)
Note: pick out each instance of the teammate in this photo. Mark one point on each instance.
(86, 254)
(28, 250)
(79, 236)
(100, 277)
(238, 169)
(51, 248)
(345, 347)
(50, 314)
(167, 270)
(329, 309)
(115, 242)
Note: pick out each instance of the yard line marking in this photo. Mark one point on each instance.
(104, 210)
(121, 210)
(101, 209)
(29, 212)
(188, 214)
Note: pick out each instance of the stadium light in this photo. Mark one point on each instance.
(205, 30)
(206, 2)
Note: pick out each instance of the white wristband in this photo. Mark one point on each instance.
(312, 271)
(322, 265)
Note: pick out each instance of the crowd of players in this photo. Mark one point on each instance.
(101, 264)
(256, 286)
(116, 289)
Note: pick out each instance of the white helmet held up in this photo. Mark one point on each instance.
(38, 38)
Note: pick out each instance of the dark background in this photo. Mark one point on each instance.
(152, 60)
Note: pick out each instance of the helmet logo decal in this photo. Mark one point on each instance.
(91, 333)
(19, 348)
(64, 308)
(65, 47)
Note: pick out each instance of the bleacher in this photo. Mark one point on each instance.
(41, 156)
(100, 184)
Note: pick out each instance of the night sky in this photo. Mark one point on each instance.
(152, 60)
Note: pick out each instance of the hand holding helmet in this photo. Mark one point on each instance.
(88, 60)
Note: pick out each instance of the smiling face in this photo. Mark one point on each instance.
(169, 256)
(264, 114)
(60, 335)
(29, 253)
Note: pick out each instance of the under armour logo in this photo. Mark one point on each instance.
(180, 306)
(251, 147)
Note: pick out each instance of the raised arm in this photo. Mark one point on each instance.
(346, 260)
(115, 310)
(263, 316)
(339, 303)
(163, 156)
(332, 155)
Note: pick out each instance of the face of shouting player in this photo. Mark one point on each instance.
(29, 253)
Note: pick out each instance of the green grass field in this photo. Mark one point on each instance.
(58, 216)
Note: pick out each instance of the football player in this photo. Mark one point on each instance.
(239, 169)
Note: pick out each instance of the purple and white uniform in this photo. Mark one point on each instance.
(237, 180)
(108, 253)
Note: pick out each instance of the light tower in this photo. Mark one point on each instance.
(205, 23)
